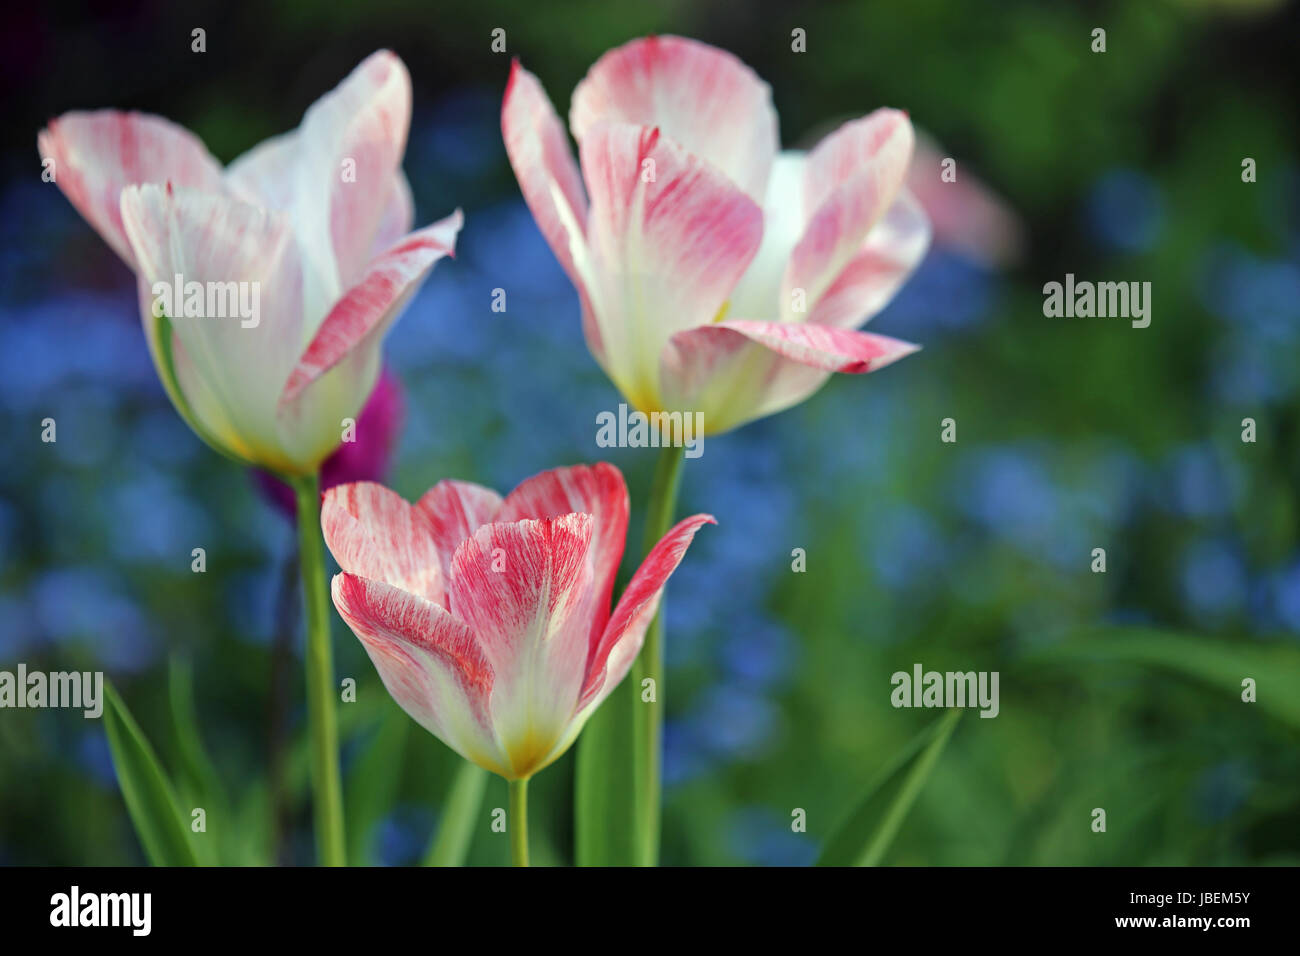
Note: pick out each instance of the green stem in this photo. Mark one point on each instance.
(327, 787)
(518, 822)
(459, 815)
(649, 724)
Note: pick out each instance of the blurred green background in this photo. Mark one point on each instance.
(1118, 690)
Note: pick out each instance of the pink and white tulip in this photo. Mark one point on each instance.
(319, 218)
(489, 619)
(716, 274)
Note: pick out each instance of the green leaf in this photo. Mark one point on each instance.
(460, 812)
(197, 781)
(606, 784)
(1220, 665)
(197, 776)
(372, 781)
(864, 836)
(150, 799)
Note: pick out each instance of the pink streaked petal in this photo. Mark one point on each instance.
(429, 662)
(850, 179)
(893, 250)
(398, 217)
(619, 644)
(597, 490)
(366, 310)
(737, 371)
(375, 533)
(668, 252)
(704, 98)
(525, 590)
(455, 510)
(540, 155)
(98, 154)
(824, 347)
(363, 122)
(551, 182)
(512, 582)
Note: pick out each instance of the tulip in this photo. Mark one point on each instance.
(489, 620)
(312, 227)
(715, 274)
(266, 289)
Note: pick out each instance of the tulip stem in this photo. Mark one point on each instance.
(327, 787)
(518, 822)
(649, 723)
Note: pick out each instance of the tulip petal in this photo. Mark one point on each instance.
(429, 662)
(597, 490)
(375, 533)
(669, 237)
(368, 307)
(351, 144)
(455, 510)
(850, 180)
(823, 347)
(549, 178)
(740, 370)
(98, 154)
(215, 244)
(267, 174)
(198, 405)
(704, 98)
(398, 216)
(525, 590)
(623, 636)
(338, 369)
(758, 293)
(893, 250)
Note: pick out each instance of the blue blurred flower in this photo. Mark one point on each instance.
(1222, 790)
(86, 605)
(947, 293)
(153, 521)
(1202, 484)
(685, 756)
(1213, 578)
(1277, 602)
(735, 723)
(760, 836)
(17, 627)
(1259, 297)
(759, 652)
(401, 837)
(906, 547)
(1010, 492)
(1125, 211)
(94, 757)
